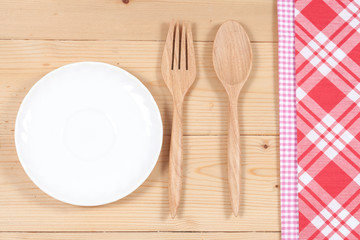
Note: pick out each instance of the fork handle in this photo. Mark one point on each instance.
(176, 159)
(234, 167)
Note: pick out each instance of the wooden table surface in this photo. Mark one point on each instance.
(41, 35)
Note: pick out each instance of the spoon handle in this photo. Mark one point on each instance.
(234, 170)
(175, 161)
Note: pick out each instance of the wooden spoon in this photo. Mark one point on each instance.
(232, 58)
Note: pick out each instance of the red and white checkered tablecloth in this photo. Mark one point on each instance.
(327, 49)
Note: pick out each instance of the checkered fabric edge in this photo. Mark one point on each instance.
(287, 114)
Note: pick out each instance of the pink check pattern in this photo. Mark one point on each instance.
(327, 53)
(287, 113)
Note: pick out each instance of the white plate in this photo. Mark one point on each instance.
(88, 133)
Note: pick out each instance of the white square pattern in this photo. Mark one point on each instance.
(326, 214)
(317, 222)
(334, 205)
(354, 94)
(305, 178)
(335, 222)
(336, 237)
(335, 215)
(344, 231)
(351, 15)
(326, 231)
(329, 136)
(357, 179)
(300, 94)
(320, 49)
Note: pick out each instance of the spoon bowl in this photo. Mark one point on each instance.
(232, 54)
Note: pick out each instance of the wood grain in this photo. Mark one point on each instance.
(141, 236)
(41, 35)
(178, 68)
(205, 200)
(23, 62)
(138, 20)
(232, 58)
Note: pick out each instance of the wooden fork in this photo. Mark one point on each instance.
(179, 71)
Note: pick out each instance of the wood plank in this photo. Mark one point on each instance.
(205, 204)
(141, 236)
(138, 20)
(22, 63)
(107, 29)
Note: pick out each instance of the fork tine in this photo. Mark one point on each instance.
(190, 48)
(176, 49)
(183, 50)
(168, 55)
